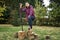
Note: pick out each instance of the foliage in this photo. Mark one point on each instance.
(55, 1)
(15, 20)
(2, 9)
(4, 13)
(40, 12)
(55, 13)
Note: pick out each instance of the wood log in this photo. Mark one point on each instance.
(36, 37)
(47, 37)
(21, 35)
(31, 35)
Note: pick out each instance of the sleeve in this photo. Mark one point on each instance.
(23, 9)
(31, 10)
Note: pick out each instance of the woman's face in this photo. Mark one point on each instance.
(27, 4)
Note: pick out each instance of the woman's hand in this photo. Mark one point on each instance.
(20, 5)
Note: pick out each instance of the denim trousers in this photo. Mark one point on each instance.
(30, 20)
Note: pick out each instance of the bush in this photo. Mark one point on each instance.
(15, 20)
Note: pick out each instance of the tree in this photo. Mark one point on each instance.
(55, 13)
(40, 12)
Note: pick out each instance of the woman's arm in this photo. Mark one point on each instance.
(31, 10)
(22, 8)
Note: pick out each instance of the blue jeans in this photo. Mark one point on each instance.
(30, 20)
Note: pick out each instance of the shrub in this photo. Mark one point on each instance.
(15, 20)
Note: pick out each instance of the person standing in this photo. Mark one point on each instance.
(29, 10)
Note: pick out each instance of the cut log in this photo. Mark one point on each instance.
(31, 35)
(47, 37)
(36, 37)
(21, 35)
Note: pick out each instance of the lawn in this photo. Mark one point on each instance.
(7, 32)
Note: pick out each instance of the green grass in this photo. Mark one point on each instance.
(7, 32)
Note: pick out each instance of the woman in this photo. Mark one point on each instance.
(29, 13)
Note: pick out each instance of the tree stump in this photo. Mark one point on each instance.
(47, 37)
(21, 35)
(31, 35)
(29, 32)
(36, 37)
(26, 35)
